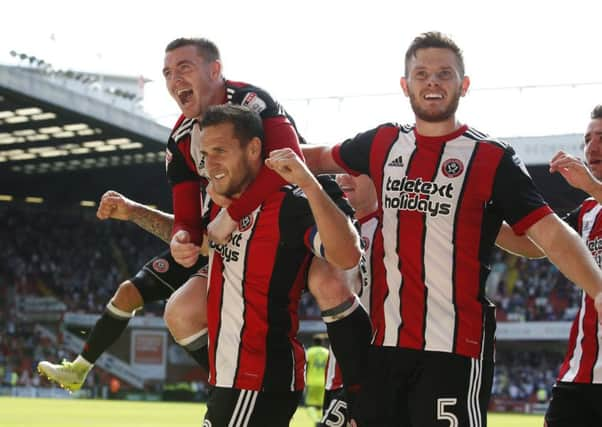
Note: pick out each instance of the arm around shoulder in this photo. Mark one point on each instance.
(319, 159)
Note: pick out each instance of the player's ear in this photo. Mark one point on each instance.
(254, 147)
(216, 69)
(403, 82)
(465, 85)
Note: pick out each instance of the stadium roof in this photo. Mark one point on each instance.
(68, 140)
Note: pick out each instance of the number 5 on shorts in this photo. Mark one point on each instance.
(442, 414)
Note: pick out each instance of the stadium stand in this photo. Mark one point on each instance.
(58, 262)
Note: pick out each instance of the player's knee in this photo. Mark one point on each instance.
(183, 315)
(127, 297)
(173, 315)
(328, 284)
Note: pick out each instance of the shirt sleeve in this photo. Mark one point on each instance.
(353, 155)
(515, 194)
(187, 209)
(572, 218)
(186, 186)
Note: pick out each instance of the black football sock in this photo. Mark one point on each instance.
(105, 332)
(350, 332)
(196, 346)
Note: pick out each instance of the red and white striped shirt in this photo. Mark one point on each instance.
(442, 201)
(583, 361)
(255, 283)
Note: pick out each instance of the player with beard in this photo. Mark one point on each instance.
(255, 279)
(193, 75)
(444, 190)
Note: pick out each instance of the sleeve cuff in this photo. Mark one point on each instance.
(521, 226)
(336, 155)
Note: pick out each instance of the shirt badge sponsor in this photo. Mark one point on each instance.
(160, 265)
(253, 102)
(452, 168)
(245, 223)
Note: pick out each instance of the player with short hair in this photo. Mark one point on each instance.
(578, 389)
(577, 393)
(444, 190)
(256, 279)
(156, 281)
(193, 75)
(361, 194)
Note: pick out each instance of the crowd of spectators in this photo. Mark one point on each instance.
(70, 255)
(530, 289)
(67, 256)
(79, 260)
(526, 376)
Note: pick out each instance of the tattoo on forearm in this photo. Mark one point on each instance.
(155, 222)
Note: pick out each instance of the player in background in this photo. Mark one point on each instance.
(444, 190)
(362, 197)
(317, 357)
(577, 393)
(156, 281)
(192, 71)
(256, 279)
(193, 75)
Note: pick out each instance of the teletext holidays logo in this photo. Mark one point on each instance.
(228, 253)
(409, 192)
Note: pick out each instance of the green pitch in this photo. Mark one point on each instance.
(24, 412)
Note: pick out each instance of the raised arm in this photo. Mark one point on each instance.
(338, 235)
(116, 206)
(319, 159)
(576, 174)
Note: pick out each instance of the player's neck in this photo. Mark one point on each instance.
(437, 128)
(219, 94)
(253, 172)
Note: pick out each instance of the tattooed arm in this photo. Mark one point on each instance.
(117, 206)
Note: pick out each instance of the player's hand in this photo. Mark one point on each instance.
(221, 228)
(289, 166)
(574, 171)
(218, 199)
(183, 250)
(115, 205)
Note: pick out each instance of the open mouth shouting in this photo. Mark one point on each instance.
(184, 95)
